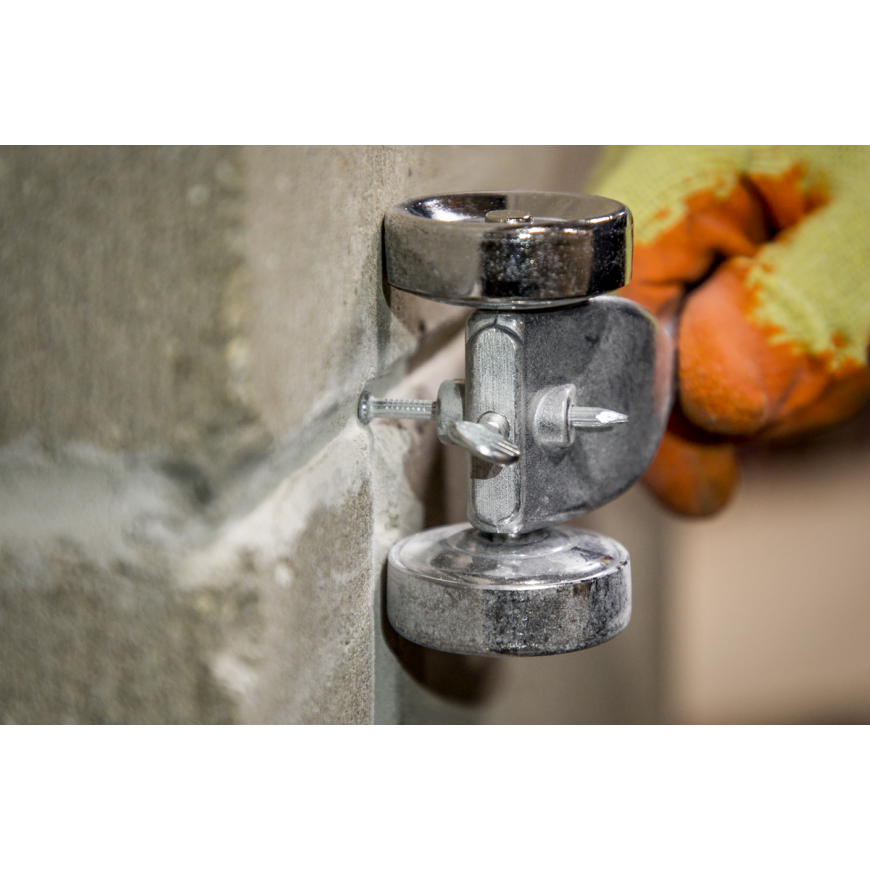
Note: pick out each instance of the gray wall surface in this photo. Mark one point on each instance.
(193, 524)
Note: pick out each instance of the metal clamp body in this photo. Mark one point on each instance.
(566, 396)
(530, 366)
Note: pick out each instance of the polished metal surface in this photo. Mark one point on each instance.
(484, 443)
(561, 589)
(508, 249)
(370, 407)
(508, 216)
(594, 418)
(563, 406)
(554, 375)
(558, 418)
(449, 408)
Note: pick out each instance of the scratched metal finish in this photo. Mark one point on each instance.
(612, 354)
(494, 362)
(559, 590)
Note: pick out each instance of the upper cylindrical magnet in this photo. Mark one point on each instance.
(508, 249)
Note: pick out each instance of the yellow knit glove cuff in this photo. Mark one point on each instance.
(812, 280)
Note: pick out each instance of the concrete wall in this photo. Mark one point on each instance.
(192, 522)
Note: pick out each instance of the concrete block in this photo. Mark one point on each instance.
(306, 553)
(319, 327)
(125, 598)
(93, 626)
(117, 265)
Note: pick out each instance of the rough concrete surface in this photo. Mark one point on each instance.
(125, 599)
(193, 525)
(305, 555)
(93, 625)
(117, 266)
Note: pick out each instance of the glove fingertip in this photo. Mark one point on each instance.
(729, 377)
(694, 480)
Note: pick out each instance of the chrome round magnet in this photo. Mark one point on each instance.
(508, 249)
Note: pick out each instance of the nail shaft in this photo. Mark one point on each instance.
(593, 418)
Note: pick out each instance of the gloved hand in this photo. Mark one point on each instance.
(759, 259)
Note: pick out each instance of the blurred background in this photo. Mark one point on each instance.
(193, 525)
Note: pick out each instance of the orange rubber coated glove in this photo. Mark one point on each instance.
(759, 259)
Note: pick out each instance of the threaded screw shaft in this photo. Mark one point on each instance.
(393, 409)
